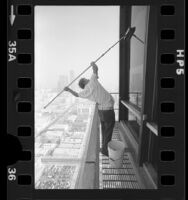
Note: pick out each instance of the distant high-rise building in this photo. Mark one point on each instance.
(62, 82)
(71, 78)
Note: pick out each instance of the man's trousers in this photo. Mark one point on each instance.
(107, 119)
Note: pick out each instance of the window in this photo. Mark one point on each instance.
(137, 53)
(139, 19)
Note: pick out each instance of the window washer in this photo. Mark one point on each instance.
(94, 91)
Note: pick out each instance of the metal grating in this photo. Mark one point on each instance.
(118, 178)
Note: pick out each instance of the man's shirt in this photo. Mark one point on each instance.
(94, 91)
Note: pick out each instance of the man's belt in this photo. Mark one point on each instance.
(105, 108)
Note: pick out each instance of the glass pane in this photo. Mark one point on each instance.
(137, 53)
(139, 15)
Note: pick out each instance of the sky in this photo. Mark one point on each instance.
(70, 37)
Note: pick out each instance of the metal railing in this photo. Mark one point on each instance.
(152, 127)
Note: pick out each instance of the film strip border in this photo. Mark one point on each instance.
(171, 99)
(20, 96)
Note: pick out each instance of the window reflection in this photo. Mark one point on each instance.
(139, 15)
(137, 54)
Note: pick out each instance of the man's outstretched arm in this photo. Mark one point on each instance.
(71, 91)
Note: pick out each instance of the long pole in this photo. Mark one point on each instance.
(127, 35)
(138, 38)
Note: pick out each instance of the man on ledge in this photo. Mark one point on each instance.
(94, 91)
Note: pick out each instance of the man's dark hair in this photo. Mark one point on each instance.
(82, 83)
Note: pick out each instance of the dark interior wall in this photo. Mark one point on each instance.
(149, 86)
(125, 22)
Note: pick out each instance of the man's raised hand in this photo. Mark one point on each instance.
(94, 66)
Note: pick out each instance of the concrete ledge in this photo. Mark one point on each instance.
(89, 178)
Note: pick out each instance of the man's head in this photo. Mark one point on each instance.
(83, 82)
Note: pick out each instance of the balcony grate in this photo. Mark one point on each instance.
(125, 177)
(117, 171)
(120, 185)
(117, 177)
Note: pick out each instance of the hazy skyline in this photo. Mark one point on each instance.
(70, 37)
